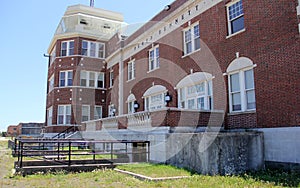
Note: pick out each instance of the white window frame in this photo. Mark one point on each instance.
(53, 55)
(150, 105)
(96, 115)
(88, 115)
(154, 59)
(229, 21)
(51, 83)
(242, 91)
(193, 38)
(131, 70)
(66, 116)
(68, 48)
(130, 107)
(49, 116)
(92, 83)
(111, 78)
(66, 78)
(190, 93)
(98, 52)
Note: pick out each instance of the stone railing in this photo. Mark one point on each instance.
(140, 119)
(110, 123)
(166, 117)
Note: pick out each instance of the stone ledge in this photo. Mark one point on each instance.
(146, 178)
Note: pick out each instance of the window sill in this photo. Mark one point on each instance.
(153, 70)
(242, 112)
(236, 33)
(130, 80)
(190, 53)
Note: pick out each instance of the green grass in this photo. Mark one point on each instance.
(154, 170)
(111, 178)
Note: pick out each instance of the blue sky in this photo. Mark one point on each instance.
(26, 30)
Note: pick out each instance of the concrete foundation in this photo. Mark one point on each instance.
(203, 152)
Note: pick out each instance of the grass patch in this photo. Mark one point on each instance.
(154, 170)
(111, 178)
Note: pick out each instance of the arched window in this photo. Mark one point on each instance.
(154, 97)
(241, 85)
(195, 91)
(130, 103)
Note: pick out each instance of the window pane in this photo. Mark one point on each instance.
(236, 102)
(62, 78)
(71, 48)
(250, 99)
(60, 110)
(68, 119)
(60, 119)
(68, 110)
(200, 103)
(63, 49)
(100, 81)
(249, 79)
(92, 79)
(93, 49)
(70, 78)
(101, 50)
(98, 112)
(200, 88)
(84, 48)
(237, 24)
(191, 104)
(83, 76)
(157, 57)
(235, 82)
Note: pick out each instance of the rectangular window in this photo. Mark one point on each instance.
(235, 92)
(64, 115)
(249, 87)
(235, 14)
(83, 78)
(85, 113)
(111, 78)
(200, 103)
(98, 112)
(53, 55)
(154, 58)
(92, 79)
(92, 49)
(131, 70)
(65, 78)
(84, 48)
(49, 115)
(100, 80)
(100, 50)
(130, 107)
(51, 83)
(191, 104)
(242, 91)
(67, 48)
(191, 39)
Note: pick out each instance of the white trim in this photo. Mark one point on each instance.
(64, 114)
(67, 48)
(51, 86)
(95, 112)
(156, 60)
(132, 70)
(156, 89)
(242, 91)
(88, 79)
(230, 32)
(49, 121)
(88, 111)
(111, 78)
(89, 50)
(66, 79)
(191, 28)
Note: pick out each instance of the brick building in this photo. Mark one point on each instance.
(25, 129)
(190, 63)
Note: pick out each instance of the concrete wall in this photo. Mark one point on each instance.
(282, 144)
(213, 153)
(206, 152)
